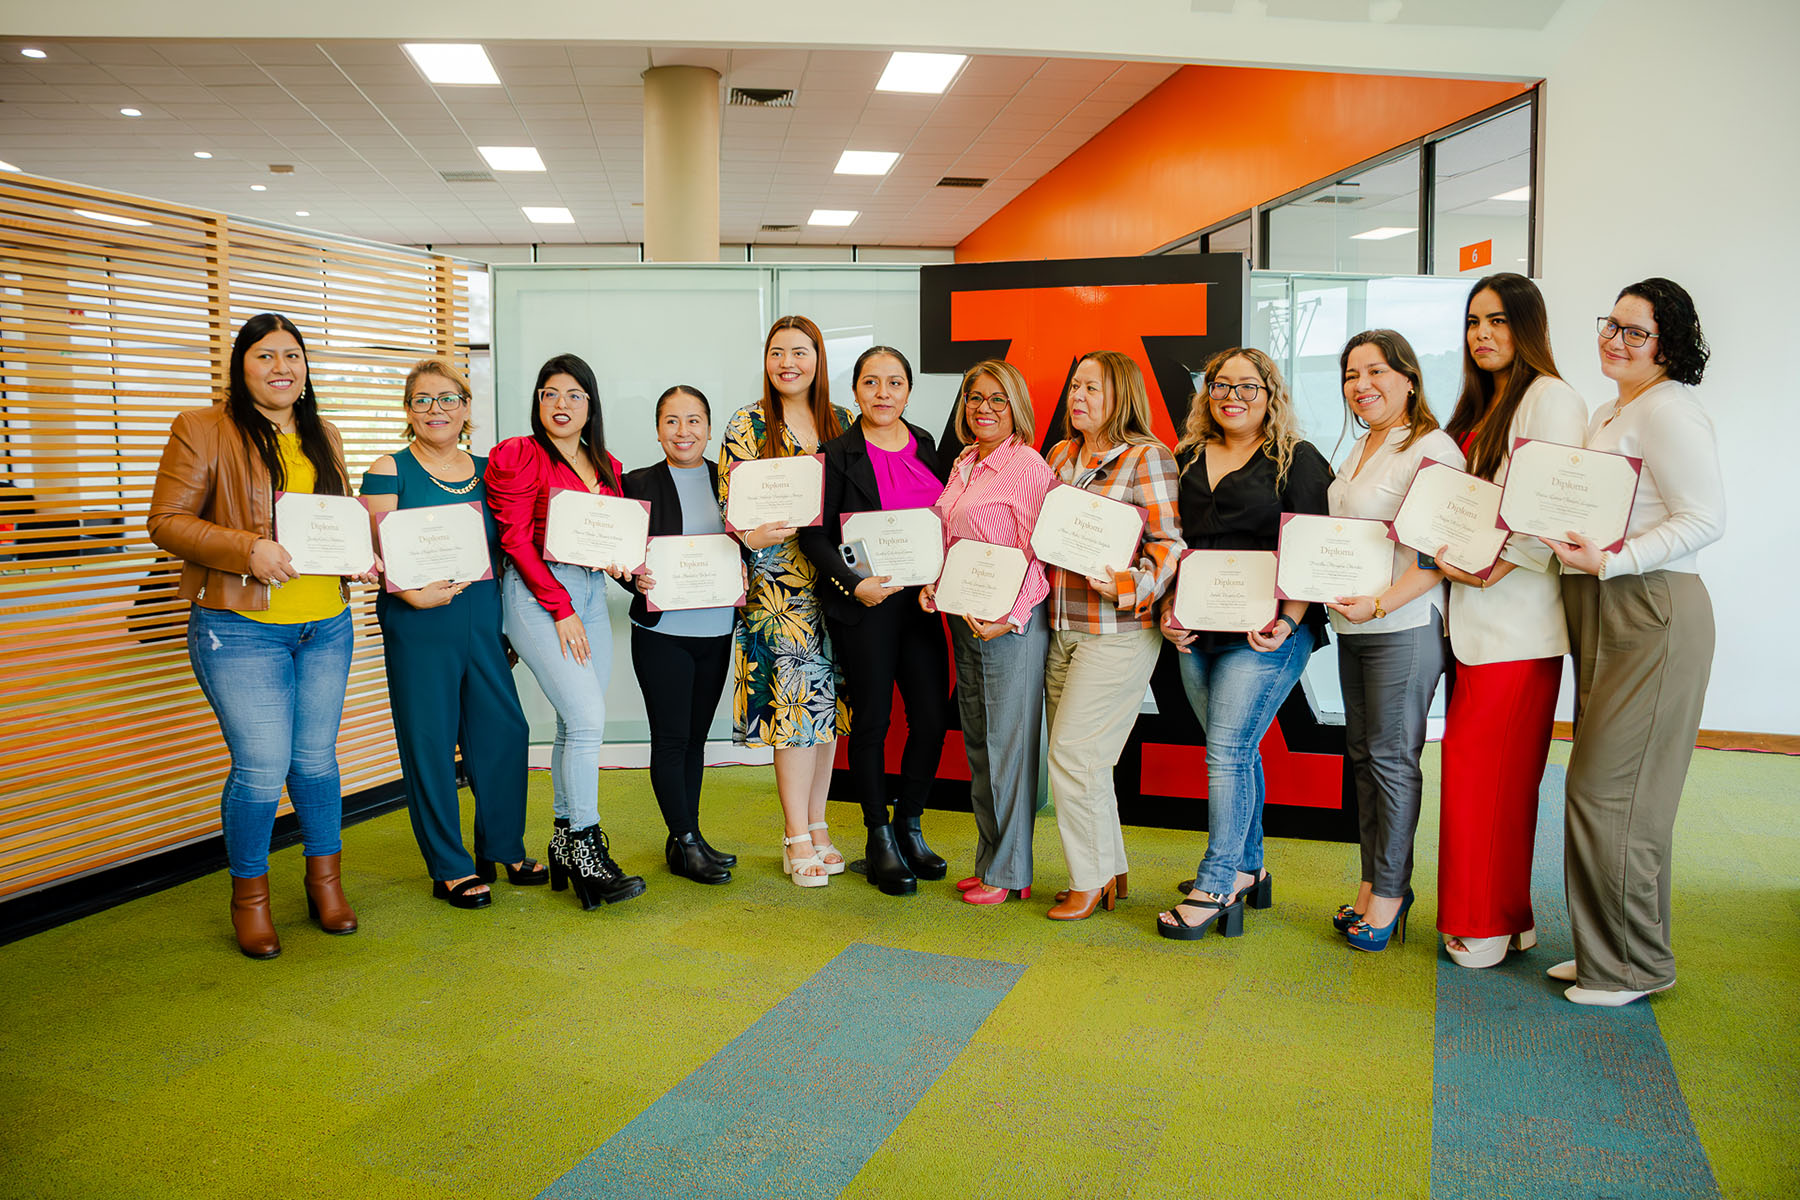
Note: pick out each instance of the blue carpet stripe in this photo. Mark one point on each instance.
(797, 1103)
(1540, 1099)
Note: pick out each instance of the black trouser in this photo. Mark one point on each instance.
(681, 678)
(894, 643)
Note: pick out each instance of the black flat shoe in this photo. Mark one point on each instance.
(688, 859)
(458, 893)
(924, 863)
(718, 856)
(530, 873)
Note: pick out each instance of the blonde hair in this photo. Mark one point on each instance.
(1281, 433)
(1018, 398)
(446, 368)
(1129, 421)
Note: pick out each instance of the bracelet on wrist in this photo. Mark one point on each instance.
(1293, 625)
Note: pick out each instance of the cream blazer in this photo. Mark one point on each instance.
(1521, 617)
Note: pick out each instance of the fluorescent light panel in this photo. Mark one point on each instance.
(832, 216)
(1520, 194)
(866, 162)
(100, 216)
(1383, 234)
(512, 158)
(203, 154)
(926, 74)
(30, 52)
(130, 112)
(547, 215)
(465, 65)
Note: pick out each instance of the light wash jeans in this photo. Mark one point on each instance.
(1235, 693)
(577, 691)
(278, 692)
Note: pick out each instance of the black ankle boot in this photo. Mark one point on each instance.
(718, 856)
(597, 878)
(918, 855)
(887, 866)
(688, 858)
(558, 854)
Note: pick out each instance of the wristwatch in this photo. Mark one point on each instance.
(1380, 612)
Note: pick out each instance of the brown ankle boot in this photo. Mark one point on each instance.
(1080, 905)
(325, 895)
(250, 918)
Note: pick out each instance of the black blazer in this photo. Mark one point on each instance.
(850, 488)
(656, 485)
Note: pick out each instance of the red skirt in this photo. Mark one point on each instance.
(1496, 739)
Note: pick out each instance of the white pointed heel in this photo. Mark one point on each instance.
(1562, 972)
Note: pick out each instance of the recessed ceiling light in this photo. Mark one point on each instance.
(6, 166)
(259, 187)
(866, 162)
(923, 73)
(512, 158)
(452, 64)
(131, 112)
(33, 52)
(547, 215)
(301, 212)
(832, 216)
(114, 218)
(203, 154)
(1518, 193)
(1384, 233)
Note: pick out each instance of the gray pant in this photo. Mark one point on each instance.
(1388, 681)
(1643, 647)
(1000, 694)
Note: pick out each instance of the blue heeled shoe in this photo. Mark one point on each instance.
(1346, 915)
(1364, 936)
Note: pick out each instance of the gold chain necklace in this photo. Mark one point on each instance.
(464, 490)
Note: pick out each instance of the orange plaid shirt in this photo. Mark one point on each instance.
(1143, 475)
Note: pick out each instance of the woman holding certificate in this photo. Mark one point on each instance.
(1391, 645)
(270, 647)
(1641, 628)
(1507, 634)
(556, 614)
(1242, 464)
(1104, 642)
(681, 655)
(448, 677)
(995, 490)
(786, 693)
(880, 634)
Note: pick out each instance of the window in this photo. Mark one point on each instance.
(1481, 197)
(1367, 223)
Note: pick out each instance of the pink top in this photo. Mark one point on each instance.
(520, 476)
(996, 499)
(901, 480)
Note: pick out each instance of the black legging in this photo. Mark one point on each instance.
(894, 643)
(681, 678)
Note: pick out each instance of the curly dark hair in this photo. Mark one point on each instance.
(1680, 346)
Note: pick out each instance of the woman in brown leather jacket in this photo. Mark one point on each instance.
(270, 647)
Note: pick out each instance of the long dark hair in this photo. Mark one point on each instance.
(1398, 354)
(824, 417)
(593, 434)
(1476, 409)
(260, 432)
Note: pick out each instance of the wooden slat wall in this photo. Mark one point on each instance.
(116, 313)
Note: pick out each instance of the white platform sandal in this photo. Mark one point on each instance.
(1487, 952)
(831, 868)
(795, 868)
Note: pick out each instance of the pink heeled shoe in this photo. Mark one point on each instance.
(981, 893)
(973, 881)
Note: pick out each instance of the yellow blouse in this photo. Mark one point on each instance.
(308, 597)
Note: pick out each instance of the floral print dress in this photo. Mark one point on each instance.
(786, 689)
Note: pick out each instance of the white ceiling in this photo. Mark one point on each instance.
(368, 137)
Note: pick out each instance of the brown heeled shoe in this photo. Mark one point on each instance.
(1080, 905)
(250, 918)
(325, 895)
(1119, 879)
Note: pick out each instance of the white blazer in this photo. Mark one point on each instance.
(1521, 616)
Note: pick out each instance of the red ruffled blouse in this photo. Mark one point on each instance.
(520, 477)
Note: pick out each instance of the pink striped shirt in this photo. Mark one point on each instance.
(996, 499)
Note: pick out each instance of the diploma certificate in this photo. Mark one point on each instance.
(702, 570)
(1552, 489)
(596, 531)
(786, 491)
(1085, 533)
(1322, 558)
(905, 544)
(324, 535)
(423, 545)
(1225, 591)
(980, 580)
(1447, 507)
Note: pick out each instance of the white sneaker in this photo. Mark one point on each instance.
(1563, 971)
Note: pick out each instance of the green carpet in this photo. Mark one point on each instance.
(441, 1052)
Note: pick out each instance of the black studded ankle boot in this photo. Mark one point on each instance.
(558, 854)
(597, 878)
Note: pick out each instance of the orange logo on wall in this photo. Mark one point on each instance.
(1481, 254)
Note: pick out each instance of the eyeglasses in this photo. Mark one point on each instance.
(550, 396)
(991, 403)
(1245, 392)
(449, 403)
(1633, 336)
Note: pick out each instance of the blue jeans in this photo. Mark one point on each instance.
(278, 692)
(1235, 693)
(577, 691)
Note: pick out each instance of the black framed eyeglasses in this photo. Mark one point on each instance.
(1245, 392)
(1633, 336)
(449, 403)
